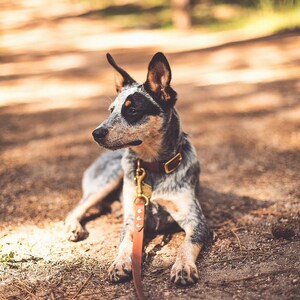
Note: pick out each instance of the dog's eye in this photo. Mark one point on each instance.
(132, 111)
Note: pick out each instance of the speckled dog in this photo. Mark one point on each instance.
(144, 121)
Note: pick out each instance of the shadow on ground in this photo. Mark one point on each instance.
(239, 103)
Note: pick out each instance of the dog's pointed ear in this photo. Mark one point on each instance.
(122, 78)
(158, 79)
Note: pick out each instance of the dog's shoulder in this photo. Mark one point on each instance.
(107, 164)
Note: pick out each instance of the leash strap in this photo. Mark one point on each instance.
(137, 253)
(143, 195)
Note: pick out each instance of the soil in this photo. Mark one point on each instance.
(239, 102)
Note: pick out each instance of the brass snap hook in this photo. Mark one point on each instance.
(142, 198)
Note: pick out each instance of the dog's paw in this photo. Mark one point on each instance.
(120, 270)
(74, 231)
(184, 273)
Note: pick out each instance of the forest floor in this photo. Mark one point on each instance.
(239, 102)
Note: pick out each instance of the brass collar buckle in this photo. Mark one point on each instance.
(168, 165)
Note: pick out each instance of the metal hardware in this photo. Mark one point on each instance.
(140, 175)
(142, 198)
(166, 165)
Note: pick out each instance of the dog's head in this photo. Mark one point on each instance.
(140, 112)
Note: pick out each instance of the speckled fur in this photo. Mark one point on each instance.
(175, 197)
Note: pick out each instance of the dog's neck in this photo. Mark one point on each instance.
(165, 145)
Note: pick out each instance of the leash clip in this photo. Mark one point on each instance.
(140, 175)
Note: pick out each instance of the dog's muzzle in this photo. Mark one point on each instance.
(100, 133)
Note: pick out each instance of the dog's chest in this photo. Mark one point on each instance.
(157, 218)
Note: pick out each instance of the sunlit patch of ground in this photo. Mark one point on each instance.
(239, 101)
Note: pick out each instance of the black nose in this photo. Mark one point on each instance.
(100, 133)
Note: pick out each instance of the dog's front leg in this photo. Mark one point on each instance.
(74, 229)
(187, 213)
(121, 269)
(184, 270)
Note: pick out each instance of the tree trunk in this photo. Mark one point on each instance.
(181, 13)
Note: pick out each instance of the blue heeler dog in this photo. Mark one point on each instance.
(143, 120)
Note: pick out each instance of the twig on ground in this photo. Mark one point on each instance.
(238, 239)
(52, 296)
(26, 290)
(264, 211)
(3, 235)
(59, 282)
(81, 288)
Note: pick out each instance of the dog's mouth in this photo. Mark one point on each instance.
(116, 147)
(135, 143)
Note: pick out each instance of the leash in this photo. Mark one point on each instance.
(140, 202)
(143, 195)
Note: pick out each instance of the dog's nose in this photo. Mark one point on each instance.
(100, 133)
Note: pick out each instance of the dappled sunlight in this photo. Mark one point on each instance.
(165, 41)
(286, 139)
(61, 94)
(43, 251)
(59, 78)
(238, 98)
(43, 106)
(29, 242)
(211, 77)
(43, 65)
(258, 102)
(32, 9)
(47, 242)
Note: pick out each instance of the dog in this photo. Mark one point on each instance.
(144, 125)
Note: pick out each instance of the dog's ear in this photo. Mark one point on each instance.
(158, 79)
(122, 78)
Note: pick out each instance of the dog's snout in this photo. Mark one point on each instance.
(100, 133)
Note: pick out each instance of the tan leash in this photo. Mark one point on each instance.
(137, 253)
(143, 195)
(140, 202)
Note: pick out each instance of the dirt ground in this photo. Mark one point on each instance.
(239, 102)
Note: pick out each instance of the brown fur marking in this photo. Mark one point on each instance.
(169, 205)
(158, 84)
(128, 103)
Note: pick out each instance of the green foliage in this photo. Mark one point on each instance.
(277, 5)
(230, 16)
(4, 257)
(274, 4)
(209, 15)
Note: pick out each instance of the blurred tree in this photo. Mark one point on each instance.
(181, 13)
